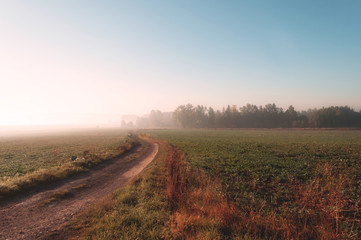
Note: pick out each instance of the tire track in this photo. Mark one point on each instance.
(42, 213)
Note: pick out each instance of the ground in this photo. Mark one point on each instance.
(42, 213)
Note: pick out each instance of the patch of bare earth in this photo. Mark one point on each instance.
(44, 213)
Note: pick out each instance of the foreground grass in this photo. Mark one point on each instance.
(29, 162)
(137, 211)
(272, 184)
(199, 209)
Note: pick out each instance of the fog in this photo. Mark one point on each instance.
(64, 65)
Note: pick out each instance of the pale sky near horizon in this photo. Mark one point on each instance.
(74, 62)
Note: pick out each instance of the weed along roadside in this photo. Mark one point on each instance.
(10, 186)
(199, 209)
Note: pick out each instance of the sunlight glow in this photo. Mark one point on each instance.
(61, 63)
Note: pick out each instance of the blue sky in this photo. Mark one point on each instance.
(73, 62)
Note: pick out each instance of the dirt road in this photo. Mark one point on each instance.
(40, 213)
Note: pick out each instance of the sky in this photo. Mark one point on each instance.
(90, 62)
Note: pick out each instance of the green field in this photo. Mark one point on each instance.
(300, 176)
(29, 161)
(21, 155)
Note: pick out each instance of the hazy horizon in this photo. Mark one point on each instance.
(88, 63)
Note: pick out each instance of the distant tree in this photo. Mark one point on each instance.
(273, 116)
(227, 117)
(219, 121)
(249, 116)
(211, 118)
(156, 119)
(184, 115)
(123, 124)
(142, 122)
(291, 117)
(269, 116)
(199, 117)
(334, 117)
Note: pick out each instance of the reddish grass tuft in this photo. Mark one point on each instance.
(175, 178)
(199, 209)
(319, 209)
(325, 207)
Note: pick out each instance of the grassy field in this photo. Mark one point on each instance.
(25, 160)
(301, 184)
(221, 184)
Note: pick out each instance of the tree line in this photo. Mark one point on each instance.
(157, 119)
(252, 116)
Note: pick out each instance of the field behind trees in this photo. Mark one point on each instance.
(299, 184)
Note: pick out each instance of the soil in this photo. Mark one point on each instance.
(44, 212)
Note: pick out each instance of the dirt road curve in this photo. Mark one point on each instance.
(33, 217)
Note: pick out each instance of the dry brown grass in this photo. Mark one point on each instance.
(324, 209)
(199, 209)
(318, 209)
(325, 206)
(175, 179)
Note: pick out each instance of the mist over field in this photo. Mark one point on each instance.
(93, 64)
